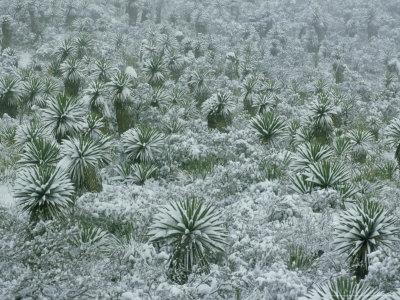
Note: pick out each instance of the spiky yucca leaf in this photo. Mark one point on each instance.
(341, 146)
(81, 158)
(96, 94)
(310, 153)
(142, 172)
(155, 69)
(262, 102)
(120, 86)
(343, 289)
(327, 174)
(300, 184)
(193, 230)
(94, 125)
(322, 111)
(63, 116)
(10, 92)
(31, 91)
(362, 229)
(268, 127)
(103, 69)
(142, 143)
(299, 258)
(40, 152)
(65, 50)
(393, 136)
(94, 239)
(360, 141)
(218, 109)
(45, 192)
(29, 132)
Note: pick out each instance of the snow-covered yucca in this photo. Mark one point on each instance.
(96, 94)
(174, 62)
(10, 92)
(193, 230)
(218, 109)
(155, 70)
(40, 152)
(142, 143)
(72, 70)
(327, 173)
(103, 69)
(249, 89)
(120, 91)
(82, 157)
(268, 127)
(343, 289)
(94, 125)
(309, 153)
(262, 102)
(363, 228)
(28, 132)
(137, 173)
(64, 116)
(393, 135)
(65, 49)
(322, 111)
(44, 192)
(360, 141)
(198, 84)
(31, 91)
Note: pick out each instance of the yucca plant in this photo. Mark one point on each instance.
(249, 89)
(363, 228)
(300, 184)
(10, 93)
(155, 70)
(82, 46)
(49, 89)
(82, 158)
(91, 239)
(218, 110)
(174, 62)
(310, 153)
(341, 146)
(198, 84)
(393, 135)
(31, 92)
(262, 102)
(360, 141)
(142, 172)
(142, 143)
(72, 70)
(65, 50)
(40, 152)
(64, 116)
(28, 132)
(328, 174)
(44, 192)
(94, 126)
(343, 289)
(120, 90)
(268, 127)
(193, 230)
(103, 69)
(96, 94)
(299, 258)
(322, 112)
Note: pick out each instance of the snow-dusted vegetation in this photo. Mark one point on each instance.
(185, 149)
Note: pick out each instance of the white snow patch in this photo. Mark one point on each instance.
(25, 60)
(6, 198)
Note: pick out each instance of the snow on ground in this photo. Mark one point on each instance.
(6, 198)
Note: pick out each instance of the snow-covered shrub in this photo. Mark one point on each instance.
(192, 229)
(360, 141)
(44, 191)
